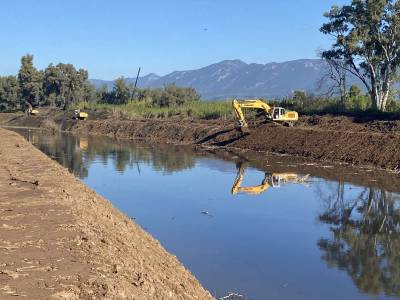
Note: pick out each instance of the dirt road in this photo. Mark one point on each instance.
(60, 240)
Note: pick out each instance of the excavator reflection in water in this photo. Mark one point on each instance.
(274, 180)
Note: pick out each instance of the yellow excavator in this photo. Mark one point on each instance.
(275, 114)
(83, 143)
(33, 112)
(80, 115)
(30, 111)
(274, 180)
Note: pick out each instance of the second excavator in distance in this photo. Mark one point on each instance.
(275, 114)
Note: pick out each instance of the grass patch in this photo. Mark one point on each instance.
(197, 109)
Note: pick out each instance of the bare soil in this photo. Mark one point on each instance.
(363, 141)
(59, 239)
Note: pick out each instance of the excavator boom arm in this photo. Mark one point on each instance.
(252, 190)
(238, 107)
(273, 113)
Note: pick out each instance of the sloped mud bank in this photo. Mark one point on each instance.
(366, 148)
(60, 240)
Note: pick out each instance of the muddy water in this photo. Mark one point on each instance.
(273, 232)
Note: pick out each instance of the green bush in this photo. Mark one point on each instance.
(356, 101)
(170, 95)
(135, 108)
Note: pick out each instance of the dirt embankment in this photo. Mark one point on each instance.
(357, 141)
(59, 239)
(353, 146)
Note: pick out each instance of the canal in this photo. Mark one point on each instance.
(279, 231)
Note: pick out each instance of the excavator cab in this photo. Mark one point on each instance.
(276, 181)
(281, 114)
(34, 112)
(278, 113)
(30, 111)
(80, 115)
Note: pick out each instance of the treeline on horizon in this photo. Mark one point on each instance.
(366, 35)
(64, 86)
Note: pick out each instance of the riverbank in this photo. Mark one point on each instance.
(350, 140)
(60, 239)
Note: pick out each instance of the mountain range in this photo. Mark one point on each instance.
(235, 78)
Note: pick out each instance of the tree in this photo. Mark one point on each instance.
(300, 99)
(52, 86)
(9, 93)
(393, 104)
(30, 82)
(89, 93)
(365, 239)
(335, 76)
(63, 84)
(121, 91)
(173, 95)
(102, 94)
(356, 100)
(367, 34)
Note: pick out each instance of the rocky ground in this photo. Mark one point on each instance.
(60, 240)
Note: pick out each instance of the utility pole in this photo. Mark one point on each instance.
(137, 77)
(136, 81)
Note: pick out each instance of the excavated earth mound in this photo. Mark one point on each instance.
(368, 147)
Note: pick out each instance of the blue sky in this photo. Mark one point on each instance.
(113, 38)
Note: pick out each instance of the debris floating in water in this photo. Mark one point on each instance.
(232, 296)
(206, 213)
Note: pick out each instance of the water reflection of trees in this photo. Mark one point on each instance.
(65, 151)
(365, 239)
(78, 153)
(163, 158)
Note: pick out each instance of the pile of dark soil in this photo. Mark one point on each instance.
(355, 124)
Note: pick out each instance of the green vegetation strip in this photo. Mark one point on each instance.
(198, 109)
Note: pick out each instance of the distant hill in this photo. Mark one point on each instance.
(144, 81)
(235, 78)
